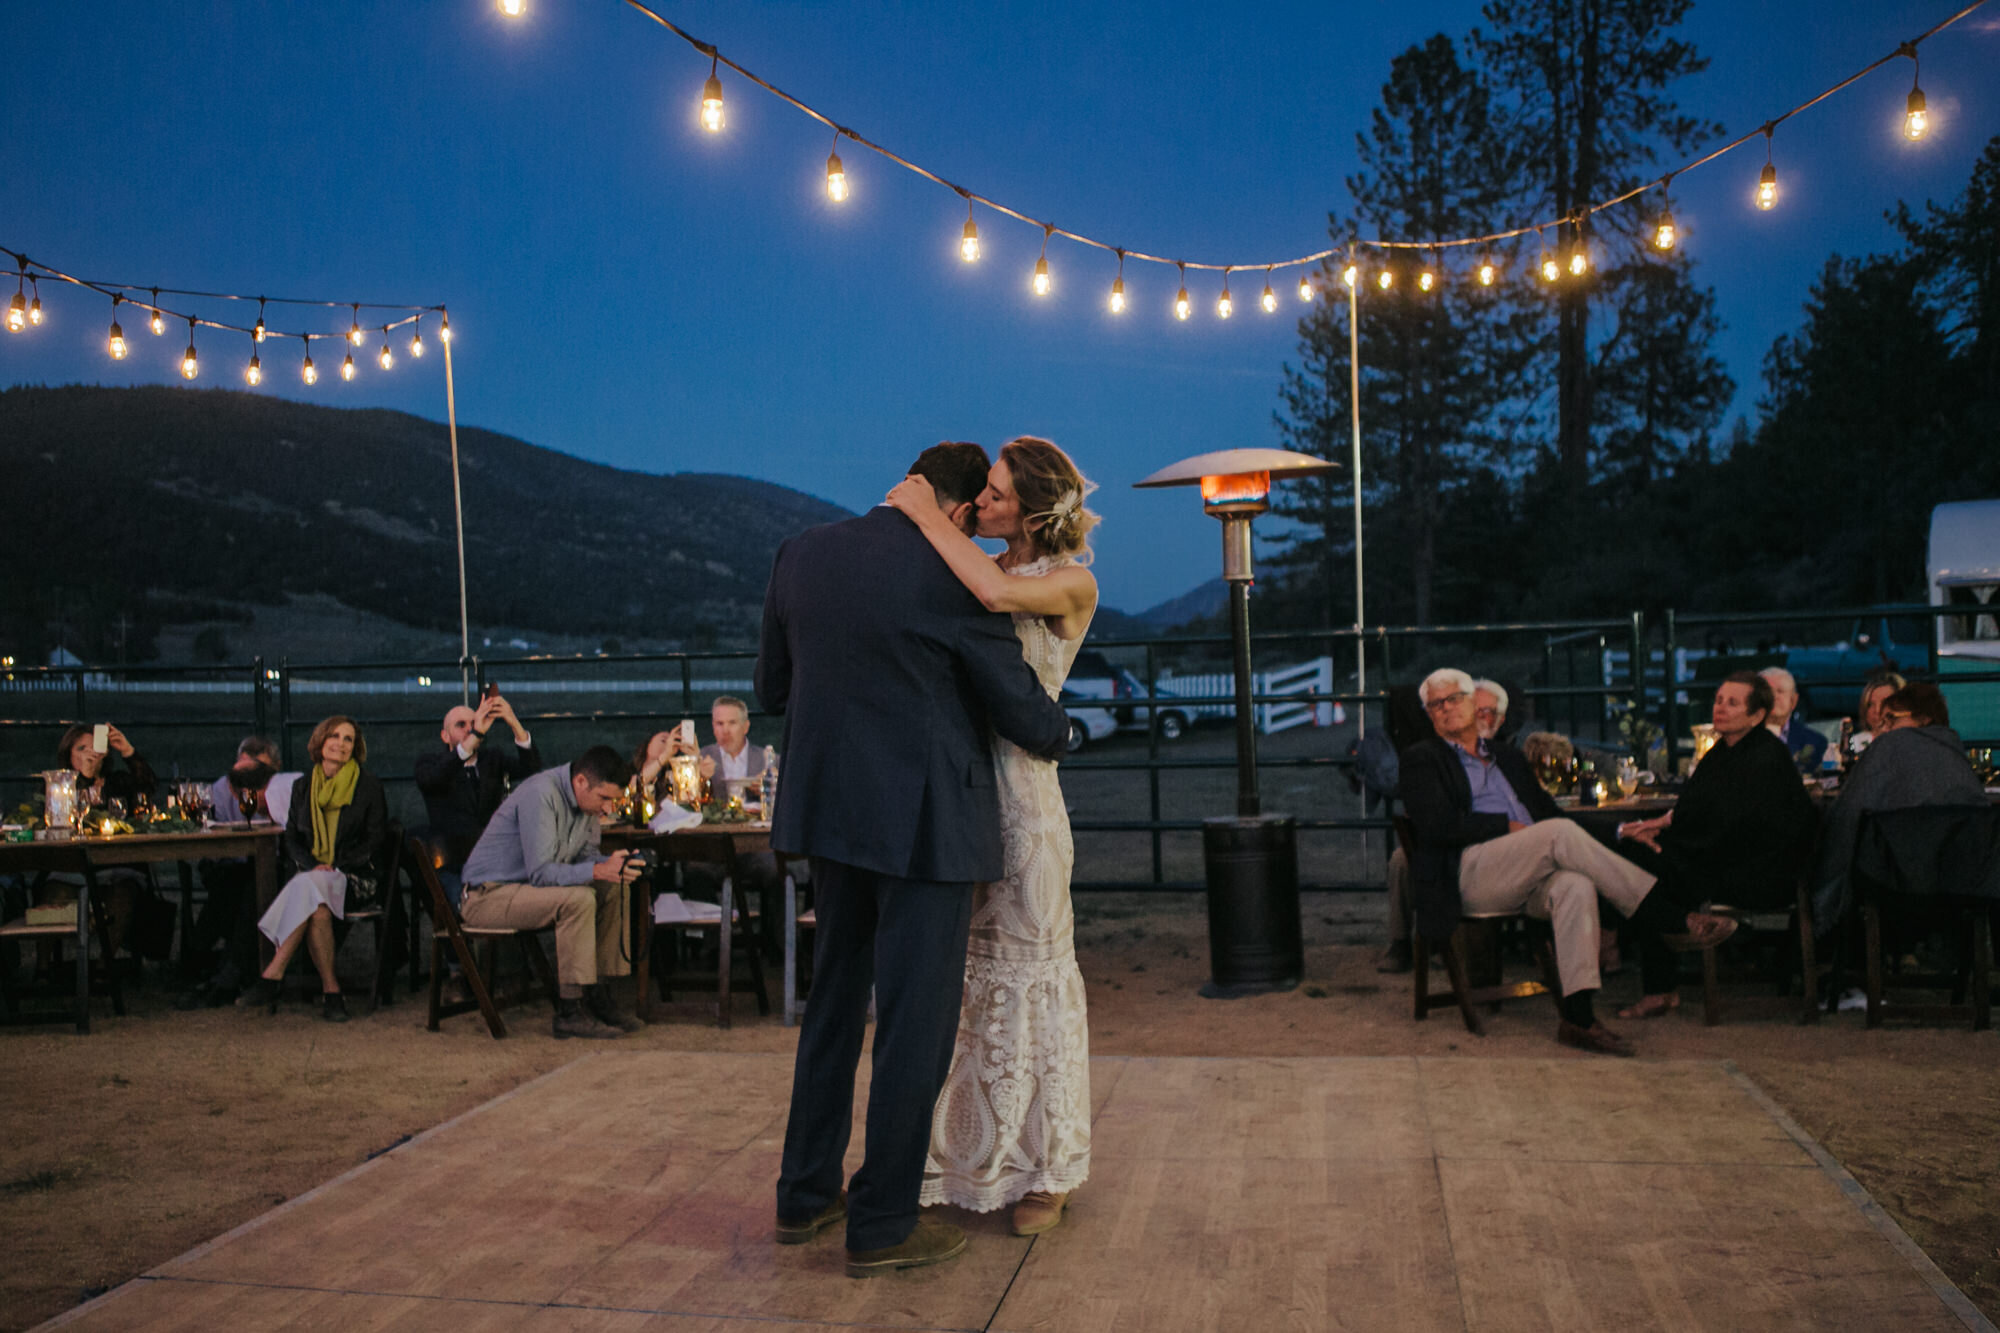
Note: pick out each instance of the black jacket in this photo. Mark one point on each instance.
(357, 843)
(459, 799)
(892, 678)
(1742, 828)
(1439, 801)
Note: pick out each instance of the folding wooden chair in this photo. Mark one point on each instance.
(43, 860)
(448, 931)
(717, 850)
(1940, 862)
(1462, 992)
(386, 921)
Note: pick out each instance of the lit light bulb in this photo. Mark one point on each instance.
(257, 334)
(347, 367)
(1349, 275)
(1182, 306)
(1385, 279)
(1118, 296)
(1225, 305)
(354, 333)
(968, 245)
(417, 342)
(189, 366)
(35, 308)
(1042, 282)
(836, 179)
(254, 372)
(1767, 187)
(1579, 261)
(711, 103)
(385, 357)
(1305, 288)
(1665, 234)
(444, 329)
(117, 343)
(1426, 280)
(1916, 120)
(159, 324)
(513, 9)
(17, 313)
(1487, 273)
(309, 372)
(1269, 300)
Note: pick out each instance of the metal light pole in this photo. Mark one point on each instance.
(1252, 859)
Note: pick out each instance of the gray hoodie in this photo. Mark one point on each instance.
(1907, 767)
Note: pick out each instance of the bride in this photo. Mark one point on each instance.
(1012, 1125)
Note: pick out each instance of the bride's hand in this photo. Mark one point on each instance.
(914, 496)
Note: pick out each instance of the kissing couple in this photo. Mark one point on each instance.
(918, 678)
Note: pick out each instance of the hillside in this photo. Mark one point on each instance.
(130, 509)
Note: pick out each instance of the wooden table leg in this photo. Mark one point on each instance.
(267, 892)
(642, 943)
(83, 957)
(187, 910)
(726, 947)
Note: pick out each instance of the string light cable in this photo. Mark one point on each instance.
(1916, 124)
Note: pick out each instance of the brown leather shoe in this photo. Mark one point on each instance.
(1705, 930)
(1651, 1006)
(1596, 1038)
(930, 1243)
(1038, 1211)
(799, 1231)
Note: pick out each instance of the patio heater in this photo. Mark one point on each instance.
(1251, 858)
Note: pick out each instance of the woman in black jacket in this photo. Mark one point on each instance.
(334, 837)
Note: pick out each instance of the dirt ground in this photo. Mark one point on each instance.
(162, 1130)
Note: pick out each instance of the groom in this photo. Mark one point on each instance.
(890, 675)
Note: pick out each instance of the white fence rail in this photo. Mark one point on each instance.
(1313, 677)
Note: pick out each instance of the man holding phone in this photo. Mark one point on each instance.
(538, 864)
(464, 779)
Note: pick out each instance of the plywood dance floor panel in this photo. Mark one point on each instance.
(633, 1190)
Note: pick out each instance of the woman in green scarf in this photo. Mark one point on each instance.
(334, 837)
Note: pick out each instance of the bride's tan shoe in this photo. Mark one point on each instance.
(1038, 1211)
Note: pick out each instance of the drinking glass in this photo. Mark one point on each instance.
(1628, 778)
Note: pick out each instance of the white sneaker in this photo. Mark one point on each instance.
(1854, 998)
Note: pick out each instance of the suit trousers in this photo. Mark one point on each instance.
(906, 939)
(1554, 871)
(591, 920)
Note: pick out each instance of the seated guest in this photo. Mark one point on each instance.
(141, 920)
(1738, 835)
(1868, 716)
(537, 865)
(97, 778)
(1489, 839)
(333, 837)
(465, 777)
(1801, 741)
(731, 757)
(1916, 760)
(228, 916)
(651, 759)
(1489, 708)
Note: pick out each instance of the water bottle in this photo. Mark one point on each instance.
(767, 783)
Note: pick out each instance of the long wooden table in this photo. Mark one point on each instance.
(746, 839)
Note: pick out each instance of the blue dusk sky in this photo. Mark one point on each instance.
(630, 289)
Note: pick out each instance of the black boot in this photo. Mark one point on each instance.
(605, 1010)
(573, 1020)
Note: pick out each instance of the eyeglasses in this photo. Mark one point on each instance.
(1449, 701)
(1486, 712)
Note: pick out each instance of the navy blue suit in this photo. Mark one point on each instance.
(892, 679)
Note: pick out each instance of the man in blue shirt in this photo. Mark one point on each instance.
(537, 865)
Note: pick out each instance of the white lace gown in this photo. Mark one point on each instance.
(1014, 1116)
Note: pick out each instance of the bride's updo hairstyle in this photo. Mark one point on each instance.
(1051, 492)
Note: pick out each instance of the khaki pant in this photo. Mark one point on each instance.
(592, 923)
(1555, 871)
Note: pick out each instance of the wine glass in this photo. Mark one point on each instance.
(249, 798)
(1628, 778)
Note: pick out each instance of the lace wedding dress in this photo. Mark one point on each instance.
(1014, 1116)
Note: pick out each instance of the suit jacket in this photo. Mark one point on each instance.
(1439, 800)
(357, 842)
(459, 800)
(1742, 828)
(753, 756)
(892, 678)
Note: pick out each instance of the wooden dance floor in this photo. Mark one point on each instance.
(632, 1190)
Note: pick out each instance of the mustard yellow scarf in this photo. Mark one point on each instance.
(330, 795)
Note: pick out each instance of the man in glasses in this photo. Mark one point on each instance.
(1489, 839)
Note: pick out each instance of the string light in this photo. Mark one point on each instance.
(836, 175)
(385, 357)
(1550, 269)
(513, 9)
(1767, 179)
(1665, 234)
(347, 367)
(711, 100)
(968, 245)
(35, 304)
(1487, 272)
(1350, 275)
(354, 333)
(116, 343)
(1118, 287)
(1916, 119)
(1182, 306)
(190, 367)
(444, 326)
(1042, 282)
(17, 309)
(1579, 261)
(253, 373)
(1269, 300)
(1426, 280)
(1305, 287)
(309, 372)
(1224, 305)
(417, 338)
(1385, 279)
(257, 334)
(159, 325)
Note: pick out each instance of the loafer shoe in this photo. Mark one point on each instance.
(931, 1242)
(798, 1232)
(1039, 1211)
(1596, 1038)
